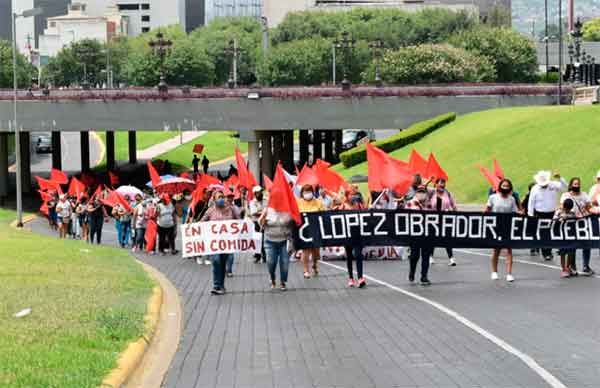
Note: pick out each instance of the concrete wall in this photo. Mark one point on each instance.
(242, 113)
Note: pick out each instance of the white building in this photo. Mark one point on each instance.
(77, 25)
(144, 15)
(232, 8)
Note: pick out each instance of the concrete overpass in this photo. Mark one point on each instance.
(266, 117)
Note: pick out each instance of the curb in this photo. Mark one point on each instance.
(132, 356)
(26, 219)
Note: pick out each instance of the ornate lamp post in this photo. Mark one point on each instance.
(233, 51)
(161, 47)
(376, 48)
(571, 49)
(346, 44)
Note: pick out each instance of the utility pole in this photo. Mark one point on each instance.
(560, 51)
(546, 37)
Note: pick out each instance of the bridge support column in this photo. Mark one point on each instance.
(3, 167)
(56, 150)
(84, 144)
(110, 150)
(26, 161)
(277, 140)
(132, 147)
(254, 159)
(266, 153)
(329, 146)
(304, 140)
(337, 144)
(317, 145)
(287, 151)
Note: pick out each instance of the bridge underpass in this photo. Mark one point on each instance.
(265, 117)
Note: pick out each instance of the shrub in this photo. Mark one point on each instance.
(410, 135)
(432, 64)
(513, 55)
(591, 30)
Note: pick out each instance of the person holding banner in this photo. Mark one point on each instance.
(277, 229)
(308, 203)
(420, 201)
(354, 201)
(442, 201)
(222, 263)
(502, 202)
(567, 256)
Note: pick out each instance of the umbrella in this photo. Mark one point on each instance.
(129, 190)
(162, 178)
(175, 185)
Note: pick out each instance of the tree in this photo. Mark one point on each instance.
(591, 30)
(498, 16)
(25, 70)
(513, 55)
(82, 61)
(432, 63)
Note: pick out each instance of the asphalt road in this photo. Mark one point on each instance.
(71, 153)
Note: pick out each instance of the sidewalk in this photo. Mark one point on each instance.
(166, 146)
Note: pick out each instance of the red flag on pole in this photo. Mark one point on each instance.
(417, 164)
(113, 178)
(150, 235)
(44, 208)
(45, 196)
(327, 178)
(386, 172)
(198, 148)
(268, 182)
(307, 176)
(492, 179)
(115, 198)
(498, 170)
(281, 198)
(59, 177)
(45, 184)
(154, 177)
(76, 187)
(246, 178)
(434, 170)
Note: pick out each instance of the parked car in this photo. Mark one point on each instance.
(43, 145)
(352, 137)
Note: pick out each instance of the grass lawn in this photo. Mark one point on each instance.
(87, 304)
(524, 140)
(218, 145)
(144, 139)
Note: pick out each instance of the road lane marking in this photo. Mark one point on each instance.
(527, 359)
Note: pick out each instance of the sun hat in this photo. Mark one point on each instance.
(542, 178)
(256, 189)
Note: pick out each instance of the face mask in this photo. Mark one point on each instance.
(576, 189)
(259, 197)
(356, 199)
(441, 189)
(504, 191)
(307, 196)
(421, 197)
(220, 202)
(188, 197)
(327, 202)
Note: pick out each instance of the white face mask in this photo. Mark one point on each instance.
(307, 196)
(188, 197)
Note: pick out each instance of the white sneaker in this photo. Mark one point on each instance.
(452, 262)
(198, 260)
(494, 275)
(207, 262)
(510, 278)
(431, 260)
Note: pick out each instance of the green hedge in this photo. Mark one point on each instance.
(410, 135)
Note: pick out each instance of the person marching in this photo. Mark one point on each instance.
(354, 201)
(442, 201)
(567, 256)
(420, 201)
(256, 208)
(63, 210)
(277, 229)
(308, 203)
(502, 202)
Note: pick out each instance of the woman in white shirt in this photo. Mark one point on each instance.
(582, 206)
(63, 210)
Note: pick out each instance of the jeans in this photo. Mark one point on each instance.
(139, 237)
(354, 253)
(277, 254)
(96, 224)
(119, 231)
(229, 264)
(125, 233)
(219, 263)
(75, 227)
(419, 252)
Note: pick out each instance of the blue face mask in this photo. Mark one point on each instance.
(220, 202)
(326, 201)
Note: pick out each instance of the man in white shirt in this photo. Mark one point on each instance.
(594, 194)
(255, 209)
(543, 199)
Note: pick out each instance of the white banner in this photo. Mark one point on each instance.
(214, 237)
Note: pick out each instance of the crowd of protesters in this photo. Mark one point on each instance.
(148, 221)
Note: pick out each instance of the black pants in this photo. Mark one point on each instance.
(354, 254)
(548, 215)
(448, 251)
(419, 252)
(96, 224)
(166, 238)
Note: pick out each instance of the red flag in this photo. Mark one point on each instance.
(281, 198)
(150, 235)
(153, 174)
(205, 180)
(233, 180)
(76, 187)
(185, 175)
(96, 193)
(307, 176)
(492, 179)
(198, 148)
(45, 196)
(329, 179)
(417, 164)
(87, 179)
(113, 178)
(115, 198)
(247, 179)
(268, 182)
(59, 177)
(45, 184)
(434, 170)
(386, 172)
(44, 208)
(498, 170)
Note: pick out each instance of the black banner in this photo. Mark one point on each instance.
(443, 229)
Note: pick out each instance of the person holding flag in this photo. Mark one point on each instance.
(308, 203)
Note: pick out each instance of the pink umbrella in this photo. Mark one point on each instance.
(175, 185)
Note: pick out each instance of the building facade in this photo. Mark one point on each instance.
(233, 8)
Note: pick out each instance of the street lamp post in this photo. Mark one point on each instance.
(347, 45)
(560, 51)
(376, 48)
(161, 48)
(24, 14)
(234, 51)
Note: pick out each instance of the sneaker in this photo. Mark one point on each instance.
(452, 262)
(351, 283)
(587, 271)
(273, 285)
(198, 261)
(533, 253)
(548, 258)
(229, 274)
(306, 275)
(431, 260)
(425, 282)
(207, 262)
(510, 278)
(494, 276)
(565, 274)
(282, 287)
(217, 291)
(362, 283)
(573, 272)
(411, 278)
